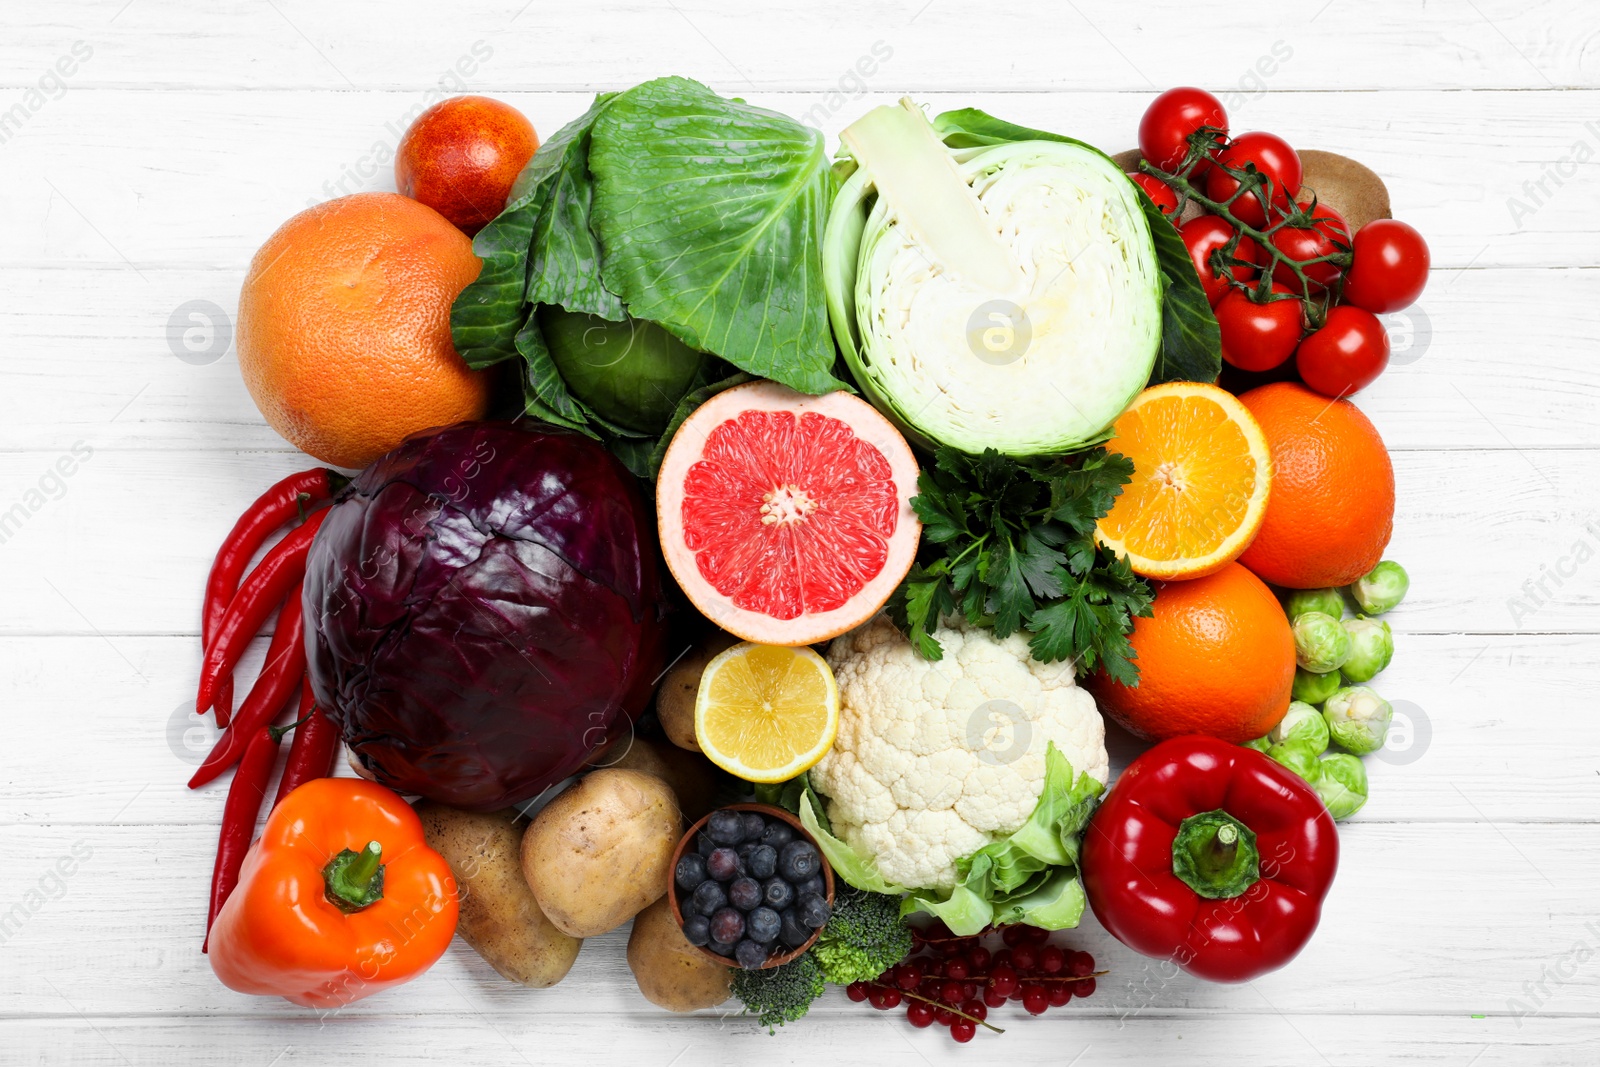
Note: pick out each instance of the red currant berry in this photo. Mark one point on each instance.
(956, 968)
(980, 959)
(1083, 987)
(1080, 964)
(1003, 979)
(952, 993)
(1025, 957)
(1014, 935)
(907, 975)
(976, 1009)
(919, 1015)
(1036, 935)
(1060, 993)
(1036, 1002)
(1052, 960)
(891, 999)
(856, 991)
(944, 1016)
(1001, 958)
(994, 998)
(963, 1031)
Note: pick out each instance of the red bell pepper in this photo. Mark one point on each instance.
(1210, 855)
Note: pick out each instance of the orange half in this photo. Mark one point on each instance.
(1201, 476)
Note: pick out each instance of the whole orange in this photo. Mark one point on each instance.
(461, 157)
(1216, 657)
(1332, 505)
(344, 327)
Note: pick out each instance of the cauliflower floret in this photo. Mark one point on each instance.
(935, 760)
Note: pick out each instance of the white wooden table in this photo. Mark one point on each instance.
(1464, 927)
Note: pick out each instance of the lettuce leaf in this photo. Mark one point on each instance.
(1031, 876)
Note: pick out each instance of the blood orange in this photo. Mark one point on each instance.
(786, 518)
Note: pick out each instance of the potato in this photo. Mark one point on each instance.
(672, 973)
(598, 854)
(1353, 190)
(691, 776)
(499, 916)
(675, 698)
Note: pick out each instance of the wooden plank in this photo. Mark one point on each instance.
(589, 1036)
(297, 43)
(1418, 921)
(1459, 752)
(1491, 359)
(118, 177)
(1496, 541)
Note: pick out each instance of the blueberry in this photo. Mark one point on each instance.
(719, 948)
(746, 850)
(814, 910)
(754, 826)
(708, 897)
(697, 928)
(777, 834)
(814, 884)
(750, 954)
(777, 893)
(763, 925)
(762, 861)
(691, 870)
(703, 845)
(798, 861)
(792, 932)
(723, 864)
(725, 827)
(745, 894)
(727, 926)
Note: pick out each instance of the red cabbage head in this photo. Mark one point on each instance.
(482, 611)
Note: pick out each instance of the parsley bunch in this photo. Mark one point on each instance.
(1015, 547)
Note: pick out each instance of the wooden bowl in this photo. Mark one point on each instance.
(688, 842)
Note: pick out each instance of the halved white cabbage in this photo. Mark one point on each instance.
(1026, 325)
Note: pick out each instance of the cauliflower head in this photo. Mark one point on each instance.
(936, 760)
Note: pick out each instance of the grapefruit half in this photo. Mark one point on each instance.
(787, 518)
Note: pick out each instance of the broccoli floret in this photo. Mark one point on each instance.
(864, 937)
(782, 994)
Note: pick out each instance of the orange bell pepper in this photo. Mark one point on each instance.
(339, 898)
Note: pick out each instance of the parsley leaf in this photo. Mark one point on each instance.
(1010, 544)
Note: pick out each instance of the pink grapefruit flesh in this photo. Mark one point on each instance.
(787, 518)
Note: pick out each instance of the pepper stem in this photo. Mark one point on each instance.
(1215, 855)
(354, 880)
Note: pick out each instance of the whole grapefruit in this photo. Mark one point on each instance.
(1216, 657)
(1332, 506)
(344, 327)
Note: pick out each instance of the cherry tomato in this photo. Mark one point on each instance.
(1327, 234)
(1389, 267)
(1273, 157)
(1350, 350)
(1203, 236)
(1170, 119)
(1258, 336)
(1158, 191)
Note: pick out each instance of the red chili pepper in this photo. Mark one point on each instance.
(249, 788)
(294, 496)
(281, 673)
(316, 744)
(279, 571)
(1211, 855)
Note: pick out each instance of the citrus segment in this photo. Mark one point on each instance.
(766, 712)
(786, 518)
(1202, 473)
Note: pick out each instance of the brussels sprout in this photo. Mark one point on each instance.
(1260, 744)
(1341, 782)
(1315, 688)
(1320, 643)
(1302, 723)
(1381, 588)
(1300, 601)
(1371, 648)
(1298, 756)
(632, 373)
(1358, 719)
